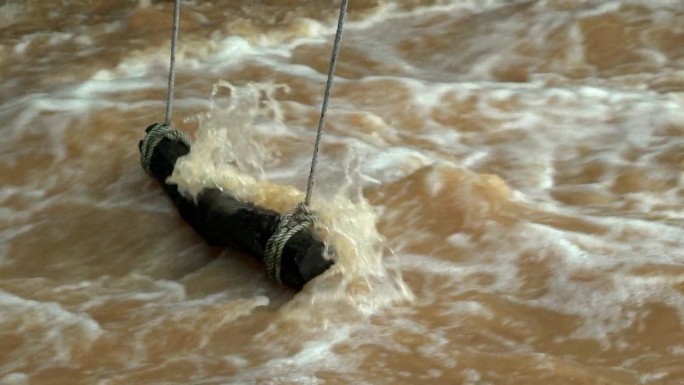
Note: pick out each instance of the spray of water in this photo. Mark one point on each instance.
(229, 153)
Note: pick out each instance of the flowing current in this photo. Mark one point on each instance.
(503, 182)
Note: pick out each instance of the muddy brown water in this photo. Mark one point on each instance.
(503, 179)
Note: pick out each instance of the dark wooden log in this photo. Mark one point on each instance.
(223, 221)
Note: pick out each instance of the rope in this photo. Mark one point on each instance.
(289, 225)
(155, 134)
(326, 98)
(172, 63)
(301, 217)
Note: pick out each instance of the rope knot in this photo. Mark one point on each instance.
(155, 134)
(290, 224)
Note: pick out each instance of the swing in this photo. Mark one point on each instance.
(286, 243)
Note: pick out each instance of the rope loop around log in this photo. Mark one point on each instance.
(290, 224)
(155, 134)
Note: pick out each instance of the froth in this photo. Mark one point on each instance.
(54, 329)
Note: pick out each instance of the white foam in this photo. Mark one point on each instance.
(10, 13)
(314, 354)
(15, 379)
(103, 82)
(394, 163)
(603, 307)
(233, 50)
(55, 328)
(388, 12)
(20, 47)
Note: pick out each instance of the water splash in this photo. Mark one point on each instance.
(229, 153)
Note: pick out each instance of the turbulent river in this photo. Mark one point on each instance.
(503, 182)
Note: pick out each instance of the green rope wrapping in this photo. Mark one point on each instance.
(156, 134)
(290, 224)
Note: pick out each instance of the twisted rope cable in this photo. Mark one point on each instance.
(172, 63)
(326, 98)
